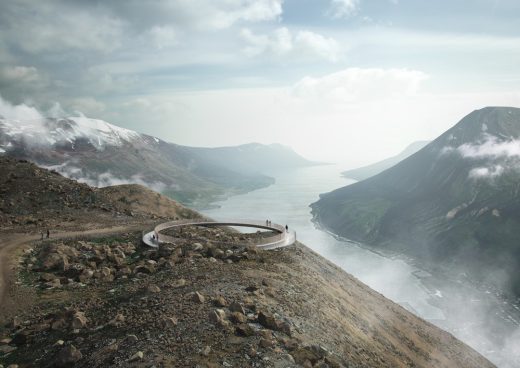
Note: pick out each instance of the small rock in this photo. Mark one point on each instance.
(131, 338)
(59, 343)
(206, 350)
(266, 343)
(267, 320)
(178, 283)
(251, 288)
(308, 353)
(238, 317)
(117, 321)
(171, 322)
(59, 324)
(79, 320)
(85, 275)
(218, 317)
(244, 330)
(198, 297)
(154, 289)
(137, 356)
(266, 334)
(219, 301)
(237, 307)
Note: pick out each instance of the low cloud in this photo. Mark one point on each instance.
(18, 112)
(491, 147)
(101, 180)
(486, 172)
(494, 156)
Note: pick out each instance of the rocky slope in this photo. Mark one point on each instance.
(109, 301)
(366, 172)
(37, 199)
(102, 154)
(454, 203)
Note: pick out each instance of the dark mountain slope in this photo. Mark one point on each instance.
(455, 202)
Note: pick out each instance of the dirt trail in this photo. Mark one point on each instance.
(9, 243)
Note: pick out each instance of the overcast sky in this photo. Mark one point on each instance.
(337, 80)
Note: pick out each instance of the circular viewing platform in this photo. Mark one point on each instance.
(282, 237)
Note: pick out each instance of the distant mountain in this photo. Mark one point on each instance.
(101, 154)
(365, 172)
(456, 202)
(253, 157)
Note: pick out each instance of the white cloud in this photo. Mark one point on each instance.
(357, 84)
(491, 148)
(249, 10)
(283, 43)
(18, 112)
(486, 172)
(100, 180)
(312, 43)
(343, 8)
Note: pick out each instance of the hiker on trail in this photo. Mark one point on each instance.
(48, 234)
(286, 228)
(266, 222)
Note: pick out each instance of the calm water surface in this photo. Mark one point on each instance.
(477, 317)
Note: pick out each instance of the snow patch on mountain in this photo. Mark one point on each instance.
(51, 131)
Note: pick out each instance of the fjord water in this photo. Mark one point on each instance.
(474, 314)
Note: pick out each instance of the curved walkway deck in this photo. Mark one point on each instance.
(282, 238)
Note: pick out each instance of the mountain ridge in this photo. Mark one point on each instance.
(102, 154)
(454, 203)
